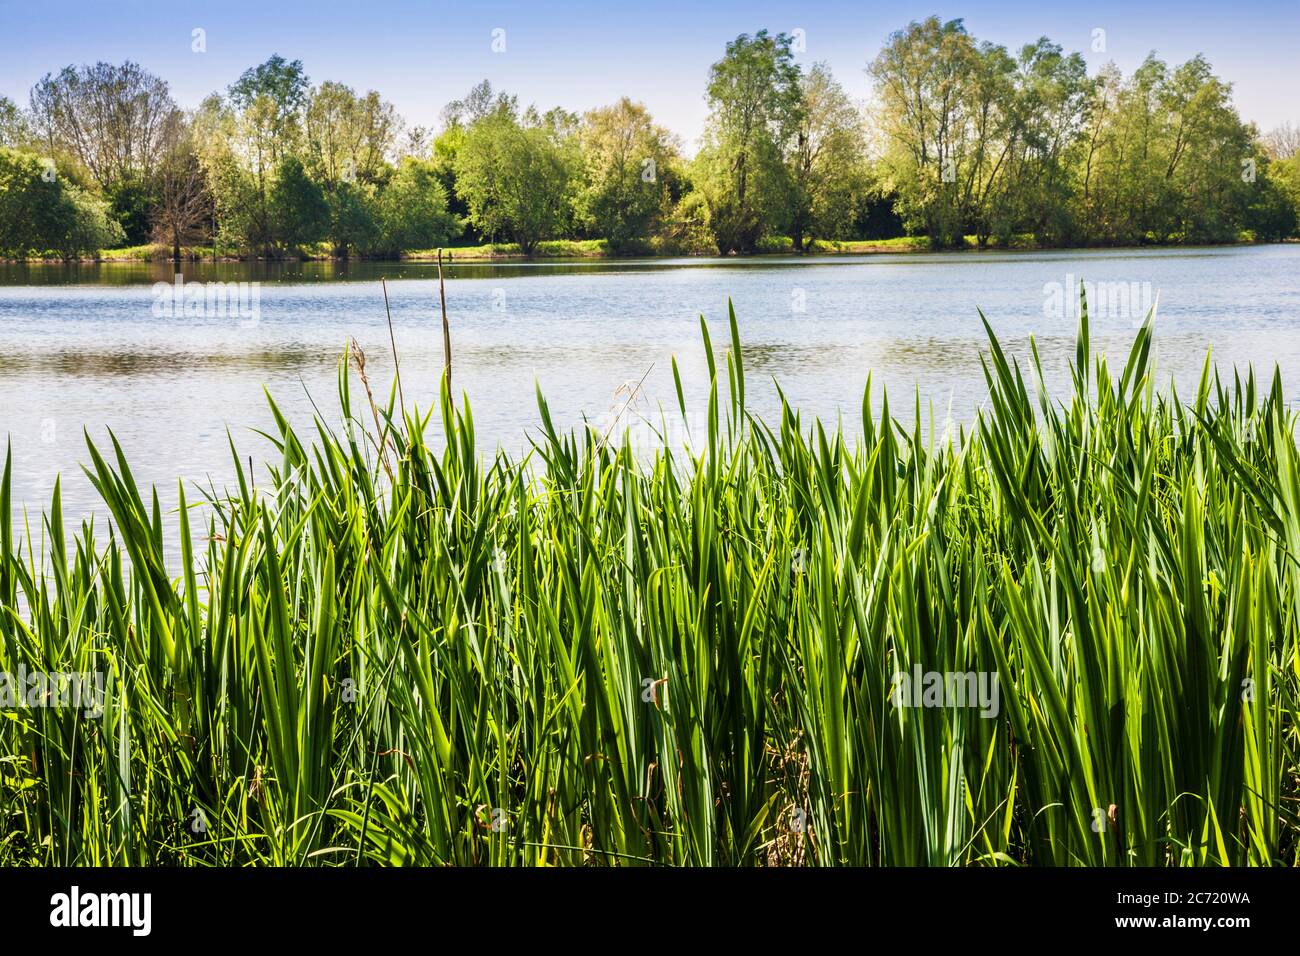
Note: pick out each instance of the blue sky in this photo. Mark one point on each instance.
(579, 54)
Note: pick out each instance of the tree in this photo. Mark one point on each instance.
(415, 142)
(348, 137)
(111, 121)
(353, 217)
(412, 210)
(236, 174)
(754, 100)
(85, 225)
(1282, 148)
(686, 230)
(480, 102)
(1053, 93)
(1273, 212)
(272, 97)
(1209, 148)
(1168, 157)
(628, 164)
(1098, 134)
(953, 115)
(1283, 142)
(184, 204)
(457, 117)
(446, 147)
(258, 128)
(30, 200)
(826, 160)
(987, 147)
(42, 211)
(300, 215)
(515, 177)
(925, 80)
(347, 141)
(14, 131)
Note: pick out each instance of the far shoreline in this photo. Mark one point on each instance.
(559, 250)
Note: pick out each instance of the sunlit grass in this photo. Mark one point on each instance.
(393, 655)
(546, 249)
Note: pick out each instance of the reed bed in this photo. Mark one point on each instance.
(395, 656)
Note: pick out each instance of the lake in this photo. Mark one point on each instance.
(92, 346)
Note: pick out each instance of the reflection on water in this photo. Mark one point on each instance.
(147, 273)
(100, 363)
(82, 348)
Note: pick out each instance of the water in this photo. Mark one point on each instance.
(84, 349)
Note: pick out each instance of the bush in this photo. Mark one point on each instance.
(300, 214)
(88, 225)
(688, 230)
(412, 210)
(131, 203)
(352, 217)
(41, 213)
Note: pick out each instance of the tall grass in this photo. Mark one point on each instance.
(398, 656)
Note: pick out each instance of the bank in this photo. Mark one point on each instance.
(600, 249)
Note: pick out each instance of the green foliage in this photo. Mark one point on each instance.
(980, 142)
(688, 229)
(446, 147)
(237, 174)
(1273, 210)
(396, 651)
(14, 130)
(271, 98)
(826, 161)
(1051, 96)
(347, 136)
(84, 225)
(131, 202)
(43, 213)
(925, 78)
(299, 210)
(755, 98)
(412, 211)
(1284, 178)
(515, 175)
(108, 120)
(629, 170)
(1166, 158)
(239, 212)
(969, 140)
(352, 217)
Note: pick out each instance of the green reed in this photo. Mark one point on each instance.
(392, 655)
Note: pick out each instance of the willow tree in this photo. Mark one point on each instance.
(755, 108)
(628, 168)
(922, 77)
(515, 174)
(951, 120)
(1055, 95)
(1168, 157)
(826, 160)
(346, 140)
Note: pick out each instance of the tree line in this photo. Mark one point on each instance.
(962, 139)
